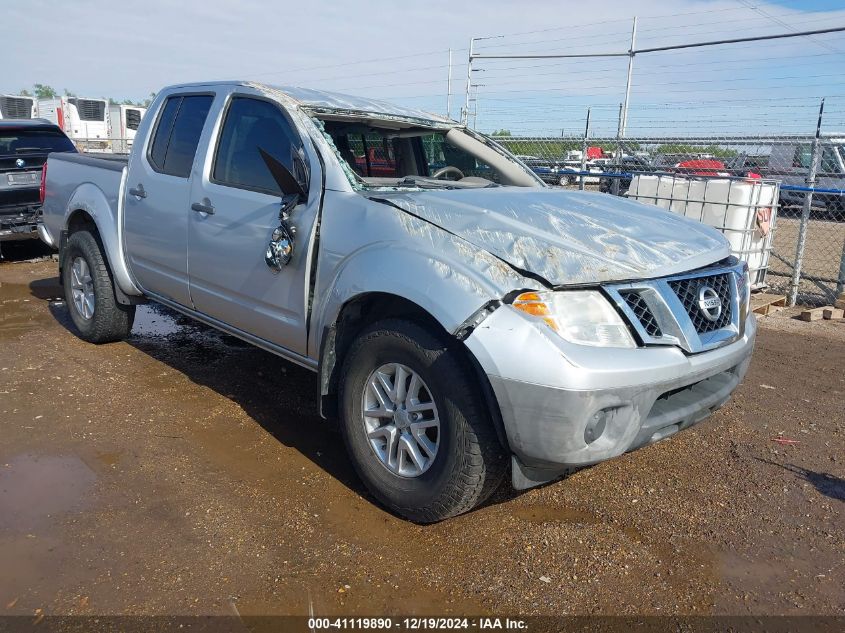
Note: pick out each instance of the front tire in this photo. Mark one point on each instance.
(89, 292)
(415, 423)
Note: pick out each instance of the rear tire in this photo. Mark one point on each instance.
(89, 292)
(464, 460)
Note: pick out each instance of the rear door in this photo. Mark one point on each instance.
(157, 197)
(230, 279)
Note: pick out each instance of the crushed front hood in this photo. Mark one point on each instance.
(568, 237)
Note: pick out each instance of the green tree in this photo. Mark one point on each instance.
(43, 91)
(68, 93)
(149, 100)
(501, 132)
(25, 93)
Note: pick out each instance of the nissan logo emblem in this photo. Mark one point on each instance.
(19, 163)
(709, 303)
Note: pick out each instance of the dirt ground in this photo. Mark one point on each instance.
(824, 251)
(183, 472)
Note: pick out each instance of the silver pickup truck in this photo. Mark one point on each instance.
(461, 315)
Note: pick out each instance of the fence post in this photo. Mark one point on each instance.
(805, 211)
(614, 186)
(840, 280)
(584, 152)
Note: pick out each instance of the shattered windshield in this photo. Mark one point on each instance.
(409, 157)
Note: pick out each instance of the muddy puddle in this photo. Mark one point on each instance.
(19, 304)
(35, 490)
(152, 321)
(39, 495)
(555, 514)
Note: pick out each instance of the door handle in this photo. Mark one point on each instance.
(203, 207)
(138, 191)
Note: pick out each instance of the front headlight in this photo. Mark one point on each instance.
(580, 316)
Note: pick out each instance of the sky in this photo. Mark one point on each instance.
(401, 53)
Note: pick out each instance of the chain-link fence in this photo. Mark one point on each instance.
(803, 258)
(807, 260)
(104, 145)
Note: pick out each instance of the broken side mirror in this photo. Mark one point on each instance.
(294, 188)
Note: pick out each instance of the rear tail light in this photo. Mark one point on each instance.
(42, 190)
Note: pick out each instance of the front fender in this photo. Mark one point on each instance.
(367, 246)
(448, 290)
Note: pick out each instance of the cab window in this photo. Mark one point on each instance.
(178, 134)
(253, 124)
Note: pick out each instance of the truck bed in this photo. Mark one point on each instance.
(94, 180)
(114, 162)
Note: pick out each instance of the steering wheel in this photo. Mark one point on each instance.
(448, 169)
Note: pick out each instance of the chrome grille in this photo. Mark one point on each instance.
(688, 290)
(643, 313)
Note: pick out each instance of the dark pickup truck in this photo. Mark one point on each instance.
(24, 146)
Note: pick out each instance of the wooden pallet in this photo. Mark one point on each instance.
(766, 303)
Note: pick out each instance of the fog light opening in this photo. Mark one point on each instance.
(596, 426)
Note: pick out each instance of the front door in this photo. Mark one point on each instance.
(157, 198)
(236, 208)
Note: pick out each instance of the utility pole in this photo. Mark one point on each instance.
(465, 114)
(449, 89)
(475, 106)
(623, 120)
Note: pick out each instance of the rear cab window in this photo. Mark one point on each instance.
(19, 141)
(177, 134)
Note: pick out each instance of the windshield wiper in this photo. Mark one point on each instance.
(20, 150)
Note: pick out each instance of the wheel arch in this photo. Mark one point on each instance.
(367, 308)
(89, 209)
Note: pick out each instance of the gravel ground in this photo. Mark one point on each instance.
(182, 472)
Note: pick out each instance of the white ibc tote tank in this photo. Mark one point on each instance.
(742, 209)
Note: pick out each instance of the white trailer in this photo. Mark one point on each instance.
(124, 121)
(18, 107)
(85, 121)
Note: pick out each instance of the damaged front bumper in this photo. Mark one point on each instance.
(566, 406)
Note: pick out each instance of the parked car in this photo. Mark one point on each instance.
(628, 165)
(570, 173)
(745, 164)
(548, 170)
(24, 146)
(85, 121)
(702, 167)
(790, 163)
(458, 322)
(18, 107)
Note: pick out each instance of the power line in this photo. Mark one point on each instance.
(786, 25)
